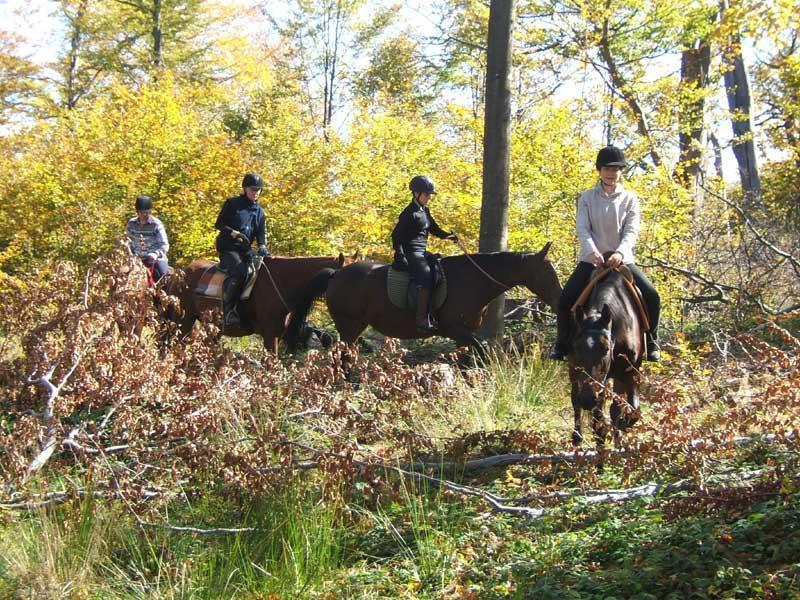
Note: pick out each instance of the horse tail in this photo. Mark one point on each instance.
(301, 305)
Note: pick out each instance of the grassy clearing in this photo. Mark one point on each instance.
(393, 537)
(90, 549)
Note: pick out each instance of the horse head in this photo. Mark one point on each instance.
(592, 352)
(541, 277)
(348, 260)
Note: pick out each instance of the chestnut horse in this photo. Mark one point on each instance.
(356, 296)
(606, 351)
(266, 311)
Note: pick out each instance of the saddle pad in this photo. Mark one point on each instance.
(397, 283)
(210, 284)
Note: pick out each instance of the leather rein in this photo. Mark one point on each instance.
(477, 266)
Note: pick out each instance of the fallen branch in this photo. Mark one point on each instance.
(641, 491)
(50, 443)
(505, 460)
(215, 531)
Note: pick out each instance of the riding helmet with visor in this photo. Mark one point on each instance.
(143, 203)
(253, 180)
(610, 156)
(422, 184)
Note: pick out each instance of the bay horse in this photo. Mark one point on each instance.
(279, 281)
(356, 296)
(606, 351)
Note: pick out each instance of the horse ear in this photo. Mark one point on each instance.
(605, 317)
(545, 249)
(341, 259)
(357, 255)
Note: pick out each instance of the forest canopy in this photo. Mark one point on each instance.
(337, 104)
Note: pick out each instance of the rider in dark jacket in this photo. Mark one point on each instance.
(240, 222)
(410, 239)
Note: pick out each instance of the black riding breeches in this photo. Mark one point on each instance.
(579, 279)
(235, 264)
(419, 268)
(575, 285)
(650, 297)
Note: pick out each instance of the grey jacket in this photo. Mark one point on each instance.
(608, 222)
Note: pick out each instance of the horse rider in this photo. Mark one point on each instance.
(410, 240)
(240, 222)
(608, 220)
(148, 239)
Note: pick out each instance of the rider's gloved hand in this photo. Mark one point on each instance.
(262, 251)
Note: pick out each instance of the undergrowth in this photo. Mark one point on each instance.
(193, 469)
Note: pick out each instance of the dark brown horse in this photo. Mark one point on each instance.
(266, 311)
(606, 352)
(356, 295)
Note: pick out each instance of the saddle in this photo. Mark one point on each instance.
(627, 277)
(402, 290)
(210, 284)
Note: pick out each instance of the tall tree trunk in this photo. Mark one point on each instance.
(158, 57)
(496, 128)
(737, 88)
(332, 26)
(75, 41)
(695, 64)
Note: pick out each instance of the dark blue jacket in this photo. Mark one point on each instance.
(242, 215)
(410, 235)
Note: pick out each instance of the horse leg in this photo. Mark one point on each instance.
(577, 409)
(600, 424)
(270, 343)
(465, 337)
(186, 325)
(625, 415)
(577, 436)
(349, 332)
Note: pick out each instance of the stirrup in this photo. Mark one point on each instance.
(557, 353)
(426, 326)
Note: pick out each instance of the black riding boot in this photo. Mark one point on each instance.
(230, 298)
(653, 349)
(424, 323)
(561, 345)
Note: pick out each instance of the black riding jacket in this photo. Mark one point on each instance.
(410, 235)
(242, 215)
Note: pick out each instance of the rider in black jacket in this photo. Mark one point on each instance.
(240, 222)
(410, 240)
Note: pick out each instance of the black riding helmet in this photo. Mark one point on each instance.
(253, 180)
(610, 156)
(144, 203)
(422, 184)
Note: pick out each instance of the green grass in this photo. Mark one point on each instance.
(89, 549)
(512, 392)
(413, 540)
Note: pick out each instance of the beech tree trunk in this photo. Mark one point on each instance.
(496, 129)
(737, 88)
(695, 62)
